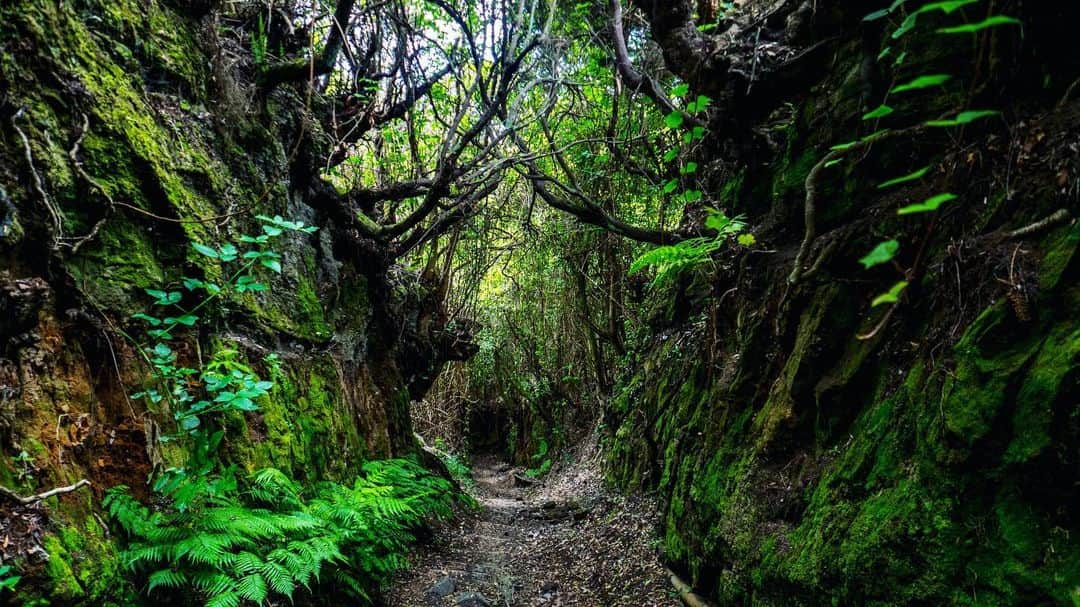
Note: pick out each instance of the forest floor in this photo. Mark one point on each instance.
(565, 541)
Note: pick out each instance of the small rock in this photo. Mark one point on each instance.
(442, 588)
(472, 599)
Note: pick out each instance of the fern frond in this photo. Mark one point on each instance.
(225, 599)
(252, 587)
(166, 578)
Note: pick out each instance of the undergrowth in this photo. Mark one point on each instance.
(272, 539)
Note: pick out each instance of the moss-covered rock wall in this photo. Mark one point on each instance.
(132, 129)
(812, 449)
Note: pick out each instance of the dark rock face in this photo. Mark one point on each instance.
(145, 138)
(812, 449)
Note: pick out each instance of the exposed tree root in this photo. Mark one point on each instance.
(32, 499)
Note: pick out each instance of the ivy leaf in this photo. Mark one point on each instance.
(964, 118)
(205, 250)
(193, 283)
(273, 264)
(881, 112)
(971, 28)
(670, 155)
(698, 132)
(882, 253)
(699, 105)
(189, 422)
(909, 24)
(890, 296)
(923, 82)
(187, 320)
(680, 89)
(674, 120)
(228, 252)
(929, 205)
(244, 404)
(947, 7)
(670, 185)
(150, 319)
(906, 178)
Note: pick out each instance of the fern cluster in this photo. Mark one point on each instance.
(273, 539)
(670, 260)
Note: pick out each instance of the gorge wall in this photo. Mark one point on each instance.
(812, 449)
(132, 130)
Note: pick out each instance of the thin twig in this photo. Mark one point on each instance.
(1056, 218)
(45, 495)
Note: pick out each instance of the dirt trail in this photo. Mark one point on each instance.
(565, 542)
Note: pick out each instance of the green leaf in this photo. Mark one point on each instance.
(699, 105)
(691, 196)
(906, 178)
(698, 132)
(189, 422)
(908, 24)
(882, 253)
(964, 118)
(273, 264)
(929, 205)
(970, 28)
(746, 240)
(228, 252)
(671, 185)
(205, 250)
(670, 155)
(244, 404)
(874, 16)
(890, 296)
(193, 283)
(923, 82)
(690, 168)
(152, 320)
(946, 7)
(881, 112)
(674, 120)
(680, 89)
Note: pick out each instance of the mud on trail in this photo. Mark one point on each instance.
(566, 541)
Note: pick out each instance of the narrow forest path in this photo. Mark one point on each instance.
(567, 541)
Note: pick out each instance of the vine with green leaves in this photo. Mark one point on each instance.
(885, 252)
(669, 260)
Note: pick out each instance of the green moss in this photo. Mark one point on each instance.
(65, 586)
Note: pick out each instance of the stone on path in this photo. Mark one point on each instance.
(442, 588)
(472, 599)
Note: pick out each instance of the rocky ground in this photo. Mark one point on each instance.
(564, 541)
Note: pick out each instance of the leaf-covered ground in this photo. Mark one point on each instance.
(566, 541)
